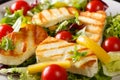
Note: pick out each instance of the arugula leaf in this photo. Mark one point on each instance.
(77, 55)
(6, 44)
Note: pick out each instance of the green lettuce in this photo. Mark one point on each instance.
(112, 26)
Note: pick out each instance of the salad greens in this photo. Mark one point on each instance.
(112, 27)
(11, 18)
(19, 74)
(6, 44)
(77, 55)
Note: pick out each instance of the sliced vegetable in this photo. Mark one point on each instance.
(17, 24)
(54, 72)
(40, 66)
(100, 52)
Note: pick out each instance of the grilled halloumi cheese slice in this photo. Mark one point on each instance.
(52, 49)
(51, 17)
(94, 22)
(25, 42)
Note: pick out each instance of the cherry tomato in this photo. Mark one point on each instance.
(20, 4)
(96, 5)
(111, 44)
(65, 35)
(5, 29)
(54, 72)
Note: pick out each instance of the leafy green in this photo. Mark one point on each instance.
(11, 18)
(19, 74)
(6, 44)
(77, 55)
(65, 24)
(41, 6)
(50, 32)
(31, 60)
(78, 33)
(112, 27)
(79, 4)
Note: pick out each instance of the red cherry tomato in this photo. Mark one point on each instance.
(20, 4)
(96, 5)
(54, 72)
(111, 44)
(5, 29)
(65, 35)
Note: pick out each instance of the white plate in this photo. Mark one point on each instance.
(113, 9)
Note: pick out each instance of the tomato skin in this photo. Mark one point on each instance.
(54, 72)
(20, 4)
(96, 5)
(5, 29)
(111, 44)
(65, 35)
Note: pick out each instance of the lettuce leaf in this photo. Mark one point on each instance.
(112, 27)
(11, 18)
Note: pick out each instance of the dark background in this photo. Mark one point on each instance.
(2, 1)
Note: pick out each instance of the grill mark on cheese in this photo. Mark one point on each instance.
(60, 47)
(42, 17)
(22, 36)
(50, 17)
(97, 16)
(88, 64)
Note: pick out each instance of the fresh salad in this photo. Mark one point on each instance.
(20, 14)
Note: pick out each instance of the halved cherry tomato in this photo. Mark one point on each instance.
(54, 72)
(65, 35)
(111, 44)
(5, 29)
(20, 4)
(95, 5)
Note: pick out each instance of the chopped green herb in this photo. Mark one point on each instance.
(6, 44)
(77, 55)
